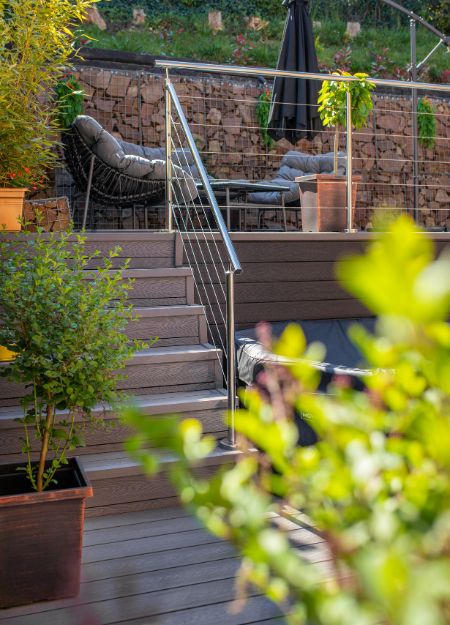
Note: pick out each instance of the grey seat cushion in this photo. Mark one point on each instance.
(133, 160)
(342, 357)
(295, 164)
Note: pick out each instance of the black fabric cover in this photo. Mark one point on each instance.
(298, 53)
(342, 357)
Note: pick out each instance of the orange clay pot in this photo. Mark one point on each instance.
(11, 206)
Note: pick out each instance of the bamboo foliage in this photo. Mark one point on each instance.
(36, 40)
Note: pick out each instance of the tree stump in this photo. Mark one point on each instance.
(215, 20)
(353, 29)
(94, 17)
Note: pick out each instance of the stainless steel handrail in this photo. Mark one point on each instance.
(229, 247)
(234, 265)
(273, 73)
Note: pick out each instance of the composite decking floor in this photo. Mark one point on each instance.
(159, 567)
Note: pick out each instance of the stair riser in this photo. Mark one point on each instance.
(147, 378)
(148, 254)
(167, 376)
(135, 492)
(105, 440)
(164, 291)
(176, 330)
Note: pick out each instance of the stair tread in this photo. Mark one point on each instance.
(115, 463)
(168, 402)
(158, 272)
(175, 353)
(169, 311)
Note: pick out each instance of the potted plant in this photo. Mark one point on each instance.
(37, 40)
(66, 326)
(324, 196)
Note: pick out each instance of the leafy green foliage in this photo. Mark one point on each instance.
(332, 102)
(35, 43)
(70, 98)
(262, 116)
(377, 484)
(426, 122)
(69, 335)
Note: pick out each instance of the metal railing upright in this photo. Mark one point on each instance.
(198, 219)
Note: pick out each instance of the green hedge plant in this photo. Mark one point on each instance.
(36, 41)
(68, 333)
(426, 122)
(376, 486)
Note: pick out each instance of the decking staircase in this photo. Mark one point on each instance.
(180, 374)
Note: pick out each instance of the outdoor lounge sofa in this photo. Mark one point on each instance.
(342, 359)
(293, 165)
(342, 356)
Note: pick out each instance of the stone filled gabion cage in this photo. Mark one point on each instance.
(221, 111)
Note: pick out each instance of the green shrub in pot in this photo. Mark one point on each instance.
(68, 333)
(333, 105)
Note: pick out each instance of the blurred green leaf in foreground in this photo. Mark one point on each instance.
(376, 486)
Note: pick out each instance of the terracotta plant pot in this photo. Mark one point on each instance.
(323, 200)
(41, 536)
(6, 355)
(11, 206)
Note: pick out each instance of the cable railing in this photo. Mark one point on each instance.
(409, 185)
(192, 209)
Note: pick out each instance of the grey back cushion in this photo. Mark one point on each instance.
(295, 164)
(133, 160)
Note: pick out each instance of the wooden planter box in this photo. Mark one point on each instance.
(41, 536)
(323, 200)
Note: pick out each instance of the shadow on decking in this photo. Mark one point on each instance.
(158, 567)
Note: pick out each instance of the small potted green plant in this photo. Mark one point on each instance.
(67, 328)
(323, 196)
(37, 41)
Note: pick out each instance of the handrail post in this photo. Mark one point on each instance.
(230, 441)
(415, 130)
(349, 163)
(169, 198)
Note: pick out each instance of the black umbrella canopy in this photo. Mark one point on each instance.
(291, 115)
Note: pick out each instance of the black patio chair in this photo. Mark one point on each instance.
(115, 173)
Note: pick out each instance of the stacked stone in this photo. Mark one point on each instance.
(221, 112)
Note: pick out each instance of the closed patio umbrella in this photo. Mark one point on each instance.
(291, 115)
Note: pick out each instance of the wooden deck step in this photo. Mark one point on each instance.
(172, 369)
(172, 286)
(145, 249)
(173, 325)
(120, 484)
(154, 370)
(207, 406)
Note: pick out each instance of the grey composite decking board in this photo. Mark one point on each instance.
(283, 251)
(181, 325)
(134, 518)
(186, 579)
(163, 403)
(281, 292)
(105, 440)
(268, 273)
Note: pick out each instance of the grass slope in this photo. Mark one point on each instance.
(376, 51)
